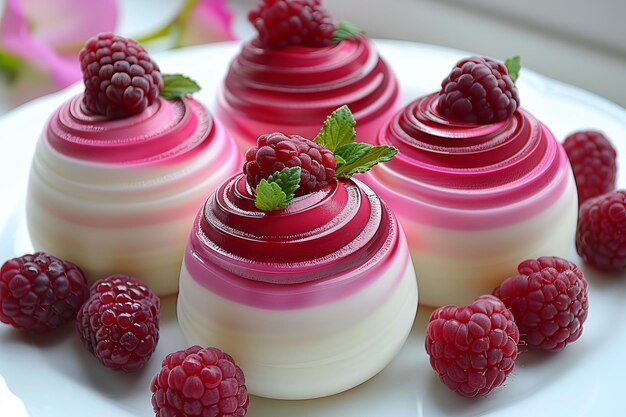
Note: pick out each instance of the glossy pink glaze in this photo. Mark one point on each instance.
(322, 247)
(457, 175)
(166, 132)
(298, 87)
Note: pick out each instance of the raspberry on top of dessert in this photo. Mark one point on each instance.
(300, 67)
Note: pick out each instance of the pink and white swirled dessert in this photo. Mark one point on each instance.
(305, 278)
(300, 68)
(119, 172)
(479, 184)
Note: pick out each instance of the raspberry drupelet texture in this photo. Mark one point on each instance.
(119, 324)
(593, 160)
(39, 292)
(472, 348)
(199, 382)
(120, 77)
(601, 231)
(548, 300)
(478, 90)
(276, 151)
(292, 22)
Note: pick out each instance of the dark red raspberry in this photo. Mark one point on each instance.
(478, 90)
(593, 160)
(601, 231)
(40, 292)
(119, 324)
(292, 22)
(276, 151)
(548, 300)
(472, 348)
(199, 382)
(120, 77)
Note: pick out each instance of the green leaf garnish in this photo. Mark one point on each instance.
(345, 30)
(364, 162)
(338, 129)
(288, 179)
(177, 85)
(277, 190)
(513, 65)
(351, 152)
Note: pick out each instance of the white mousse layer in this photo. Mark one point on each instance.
(130, 219)
(476, 262)
(306, 352)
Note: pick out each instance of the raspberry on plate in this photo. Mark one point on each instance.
(601, 231)
(292, 22)
(593, 160)
(199, 382)
(472, 348)
(119, 324)
(276, 151)
(120, 77)
(40, 292)
(548, 300)
(478, 90)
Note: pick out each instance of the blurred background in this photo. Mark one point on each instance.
(578, 42)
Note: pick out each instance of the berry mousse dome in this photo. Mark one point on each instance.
(477, 188)
(312, 293)
(300, 67)
(119, 171)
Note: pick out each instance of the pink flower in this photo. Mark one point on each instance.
(49, 34)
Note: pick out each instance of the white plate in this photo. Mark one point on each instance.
(55, 376)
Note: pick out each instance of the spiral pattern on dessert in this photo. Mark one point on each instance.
(165, 132)
(299, 84)
(342, 228)
(467, 166)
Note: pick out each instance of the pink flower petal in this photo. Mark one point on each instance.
(52, 43)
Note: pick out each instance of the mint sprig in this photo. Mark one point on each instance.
(363, 158)
(277, 190)
(177, 85)
(338, 134)
(345, 30)
(338, 129)
(513, 66)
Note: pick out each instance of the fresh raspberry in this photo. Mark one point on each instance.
(120, 77)
(119, 324)
(40, 292)
(276, 151)
(478, 90)
(601, 231)
(472, 348)
(292, 22)
(593, 160)
(199, 382)
(548, 300)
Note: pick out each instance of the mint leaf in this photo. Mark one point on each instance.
(338, 129)
(340, 160)
(345, 30)
(373, 156)
(352, 152)
(288, 179)
(269, 196)
(513, 65)
(177, 85)
(278, 189)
